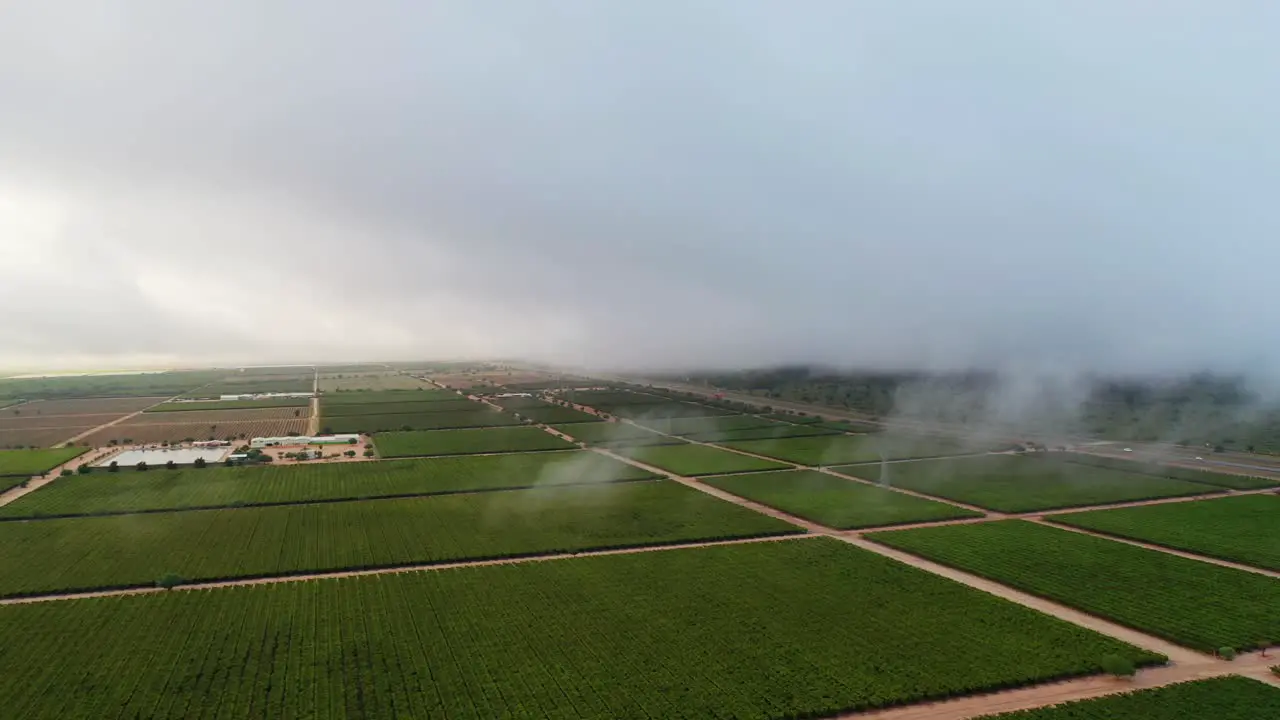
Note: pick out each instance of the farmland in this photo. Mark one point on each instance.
(1226, 698)
(217, 417)
(39, 437)
(462, 442)
(120, 551)
(132, 491)
(528, 640)
(484, 417)
(770, 432)
(548, 414)
(615, 434)
(335, 410)
(835, 502)
(334, 382)
(163, 384)
(155, 433)
(255, 385)
(1239, 482)
(25, 463)
(215, 405)
(1010, 483)
(842, 449)
(1244, 529)
(88, 406)
(388, 396)
(697, 460)
(47, 423)
(1196, 604)
(708, 425)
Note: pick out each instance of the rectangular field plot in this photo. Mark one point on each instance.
(336, 410)
(1009, 483)
(552, 414)
(1239, 482)
(615, 434)
(690, 460)
(131, 550)
(365, 424)
(1189, 602)
(219, 417)
(708, 425)
(41, 437)
(771, 432)
(133, 491)
(86, 406)
(597, 638)
(464, 442)
(252, 386)
(334, 382)
(835, 502)
(205, 405)
(389, 396)
(25, 463)
(1244, 529)
(152, 433)
(668, 410)
(1226, 698)
(843, 449)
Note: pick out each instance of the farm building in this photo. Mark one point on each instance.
(261, 442)
(266, 396)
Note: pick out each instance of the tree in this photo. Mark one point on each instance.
(1227, 653)
(84, 469)
(200, 463)
(1118, 666)
(171, 465)
(228, 463)
(368, 453)
(141, 466)
(351, 441)
(350, 453)
(113, 467)
(169, 581)
(66, 472)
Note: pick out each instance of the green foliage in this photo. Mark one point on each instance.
(66, 472)
(835, 502)
(331, 409)
(388, 396)
(170, 580)
(1226, 698)
(276, 402)
(846, 630)
(87, 553)
(698, 460)
(1242, 529)
(1009, 483)
(1118, 665)
(1238, 482)
(1156, 592)
(481, 417)
(1227, 653)
(25, 463)
(84, 469)
(222, 486)
(463, 442)
(615, 434)
(200, 463)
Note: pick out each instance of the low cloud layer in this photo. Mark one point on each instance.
(1084, 185)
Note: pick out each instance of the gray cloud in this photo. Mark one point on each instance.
(1081, 185)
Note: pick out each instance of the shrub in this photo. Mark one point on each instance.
(350, 453)
(200, 463)
(113, 467)
(84, 469)
(66, 472)
(368, 453)
(169, 580)
(1118, 666)
(1227, 653)
(170, 465)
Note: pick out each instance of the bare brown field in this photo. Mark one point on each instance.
(38, 436)
(177, 432)
(217, 417)
(370, 381)
(88, 406)
(37, 422)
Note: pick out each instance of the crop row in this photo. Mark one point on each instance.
(25, 463)
(133, 491)
(121, 551)
(798, 628)
(1245, 529)
(201, 405)
(1010, 483)
(843, 449)
(1239, 482)
(1189, 602)
(470, 441)
(1225, 698)
(689, 460)
(483, 417)
(179, 432)
(388, 396)
(336, 410)
(616, 434)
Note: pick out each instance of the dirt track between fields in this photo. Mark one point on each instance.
(113, 423)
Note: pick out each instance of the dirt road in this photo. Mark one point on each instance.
(117, 421)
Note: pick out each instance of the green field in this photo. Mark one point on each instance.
(360, 397)
(330, 410)
(1189, 602)
(1225, 698)
(763, 433)
(688, 460)
(130, 550)
(707, 425)
(835, 502)
(1245, 529)
(247, 386)
(463, 442)
(162, 384)
(797, 628)
(552, 414)
(1012, 483)
(483, 417)
(667, 411)
(843, 449)
(132, 491)
(193, 405)
(25, 463)
(1239, 482)
(616, 434)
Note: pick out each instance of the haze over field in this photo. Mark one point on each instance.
(1079, 185)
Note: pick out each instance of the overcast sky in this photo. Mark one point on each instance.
(896, 182)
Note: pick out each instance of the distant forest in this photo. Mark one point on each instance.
(1202, 409)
